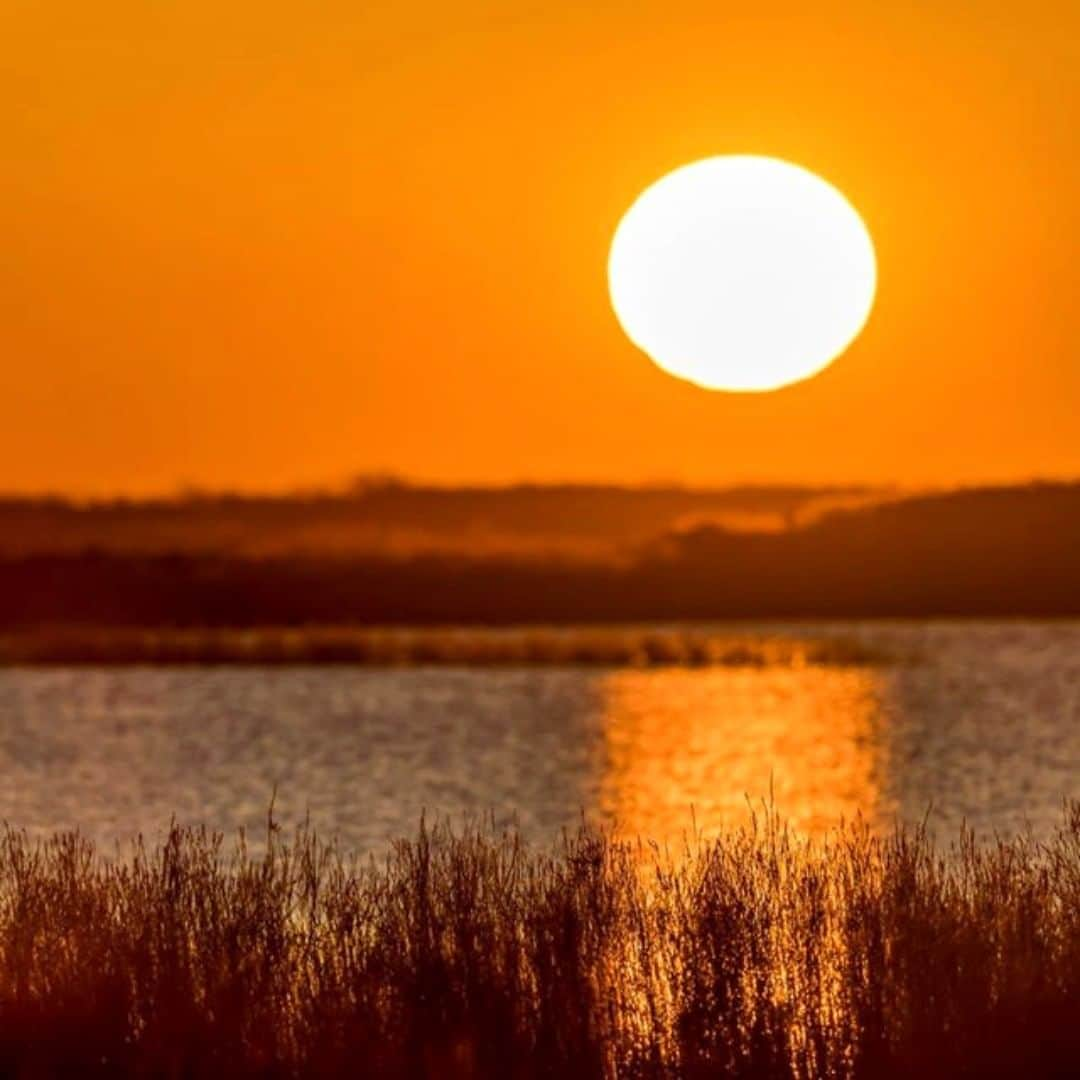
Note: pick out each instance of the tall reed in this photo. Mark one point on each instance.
(467, 953)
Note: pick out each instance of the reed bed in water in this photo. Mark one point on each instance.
(484, 646)
(468, 954)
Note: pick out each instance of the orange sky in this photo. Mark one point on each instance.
(266, 244)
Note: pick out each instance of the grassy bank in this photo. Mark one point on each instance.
(471, 955)
(639, 646)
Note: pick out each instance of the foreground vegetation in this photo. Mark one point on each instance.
(470, 954)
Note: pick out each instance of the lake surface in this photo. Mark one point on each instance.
(969, 721)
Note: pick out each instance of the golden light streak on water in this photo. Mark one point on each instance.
(712, 740)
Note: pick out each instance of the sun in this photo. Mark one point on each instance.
(742, 273)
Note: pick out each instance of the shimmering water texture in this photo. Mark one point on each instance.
(975, 722)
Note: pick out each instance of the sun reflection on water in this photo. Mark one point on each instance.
(709, 741)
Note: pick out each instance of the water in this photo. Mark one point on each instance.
(969, 721)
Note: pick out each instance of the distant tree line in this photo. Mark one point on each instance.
(1009, 551)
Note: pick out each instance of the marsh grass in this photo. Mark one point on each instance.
(469, 954)
(635, 646)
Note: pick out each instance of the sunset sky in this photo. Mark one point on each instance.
(264, 245)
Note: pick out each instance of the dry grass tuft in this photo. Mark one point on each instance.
(468, 954)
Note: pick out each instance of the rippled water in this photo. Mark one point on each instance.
(976, 722)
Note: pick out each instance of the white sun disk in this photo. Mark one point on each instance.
(742, 273)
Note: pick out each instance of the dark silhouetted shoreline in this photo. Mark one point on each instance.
(992, 552)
